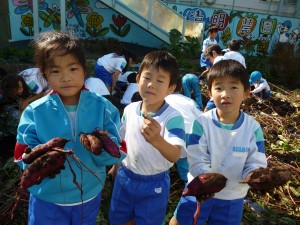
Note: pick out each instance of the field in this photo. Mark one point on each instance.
(280, 119)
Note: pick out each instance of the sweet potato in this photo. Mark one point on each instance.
(44, 166)
(95, 143)
(265, 179)
(204, 184)
(107, 143)
(85, 141)
(40, 150)
(91, 143)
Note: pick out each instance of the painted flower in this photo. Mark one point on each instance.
(27, 20)
(119, 21)
(94, 20)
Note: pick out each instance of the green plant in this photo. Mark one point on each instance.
(184, 51)
(15, 54)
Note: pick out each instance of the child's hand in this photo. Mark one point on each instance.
(112, 173)
(150, 129)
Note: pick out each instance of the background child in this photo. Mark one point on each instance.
(109, 67)
(66, 112)
(213, 54)
(154, 135)
(188, 109)
(131, 89)
(233, 53)
(190, 83)
(22, 89)
(224, 140)
(212, 34)
(261, 87)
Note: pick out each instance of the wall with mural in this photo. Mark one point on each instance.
(92, 19)
(84, 18)
(257, 32)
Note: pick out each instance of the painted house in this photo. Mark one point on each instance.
(259, 24)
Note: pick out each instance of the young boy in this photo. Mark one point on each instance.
(261, 87)
(224, 140)
(211, 39)
(213, 54)
(233, 53)
(154, 134)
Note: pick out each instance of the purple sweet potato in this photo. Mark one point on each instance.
(95, 143)
(205, 184)
(202, 185)
(107, 143)
(40, 150)
(44, 166)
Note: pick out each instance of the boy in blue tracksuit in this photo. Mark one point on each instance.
(66, 112)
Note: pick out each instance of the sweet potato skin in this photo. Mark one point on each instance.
(108, 145)
(40, 150)
(205, 184)
(265, 179)
(46, 165)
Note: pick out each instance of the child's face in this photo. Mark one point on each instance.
(66, 77)
(228, 94)
(213, 35)
(153, 88)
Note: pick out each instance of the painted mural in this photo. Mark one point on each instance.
(92, 19)
(257, 32)
(84, 19)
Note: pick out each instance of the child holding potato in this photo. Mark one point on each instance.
(225, 141)
(69, 110)
(154, 134)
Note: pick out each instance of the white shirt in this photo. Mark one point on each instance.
(262, 85)
(112, 62)
(235, 56)
(96, 85)
(130, 90)
(233, 152)
(187, 107)
(34, 80)
(123, 76)
(218, 58)
(142, 158)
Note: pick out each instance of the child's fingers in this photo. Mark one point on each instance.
(149, 120)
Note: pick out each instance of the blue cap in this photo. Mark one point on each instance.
(255, 75)
(287, 23)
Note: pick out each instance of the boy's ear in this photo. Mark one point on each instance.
(172, 88)
(137, 78)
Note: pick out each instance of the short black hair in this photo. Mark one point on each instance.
(131, 78)
(164, 60)
(228, 68)
(214, 47)
(234, 45)
(213, 29)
